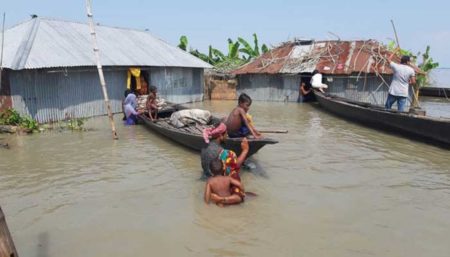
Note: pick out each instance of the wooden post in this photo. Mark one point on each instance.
(99, 67)
(395, 33)
(7, 248)
(1, 54)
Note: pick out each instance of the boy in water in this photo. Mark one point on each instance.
(222, 190)
(152, 107)
(239, 122)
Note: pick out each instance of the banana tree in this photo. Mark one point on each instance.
(232, 59)
(426, 66)
(252, 51)
(183, 43)
(233, 49)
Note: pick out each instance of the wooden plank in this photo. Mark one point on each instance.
(7, 248)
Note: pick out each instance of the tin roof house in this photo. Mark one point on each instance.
(357, 70)
(49, 70)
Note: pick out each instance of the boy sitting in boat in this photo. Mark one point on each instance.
(152, 106)
(239, 123)
(222, 190)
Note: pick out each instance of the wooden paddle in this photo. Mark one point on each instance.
(282, 131)
(250, 194)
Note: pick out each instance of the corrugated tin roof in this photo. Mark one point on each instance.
(329, 57)
(46, 43)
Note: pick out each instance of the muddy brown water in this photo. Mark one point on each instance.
(329, 188)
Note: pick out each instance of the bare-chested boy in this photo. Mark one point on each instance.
(219, 188)
(151, 103)
(238, 124)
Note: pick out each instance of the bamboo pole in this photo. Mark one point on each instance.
(1, 54)
(280, 131)
(99, 67)
(415, 102)
(395, 33)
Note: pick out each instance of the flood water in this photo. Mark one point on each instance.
(328, 188)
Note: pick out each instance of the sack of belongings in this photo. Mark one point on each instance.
(190, 116)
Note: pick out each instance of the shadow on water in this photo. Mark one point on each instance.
(43, 245)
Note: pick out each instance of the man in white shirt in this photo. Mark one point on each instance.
(403, 76)
(316, 81)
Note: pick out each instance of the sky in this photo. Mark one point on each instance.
(418, 23)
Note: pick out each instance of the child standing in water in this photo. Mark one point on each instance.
(222, 190)
(239, 122)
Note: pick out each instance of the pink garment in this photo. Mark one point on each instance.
(214, 132)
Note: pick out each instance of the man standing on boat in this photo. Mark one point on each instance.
(403, 76)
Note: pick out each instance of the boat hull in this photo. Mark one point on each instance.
(431, 130)
(196, 141)
(435, 92)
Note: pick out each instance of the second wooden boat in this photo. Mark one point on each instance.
(428, 129)
(191, 136)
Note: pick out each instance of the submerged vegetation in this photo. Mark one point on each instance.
(74, 124)
(239, 53)
(12, 118)
(24, 123)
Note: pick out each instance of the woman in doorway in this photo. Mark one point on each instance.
(306, 93)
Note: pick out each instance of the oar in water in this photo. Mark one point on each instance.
(250, 194)
(282, 131)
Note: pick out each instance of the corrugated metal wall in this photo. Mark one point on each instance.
(49, 95)
(264, 87)
(178, 85)
(370, 89)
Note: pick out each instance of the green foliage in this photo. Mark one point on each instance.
(264, 48)
(76, 123)
(426, 65)
(232, 60)
(392, 46)
(13, 118)
(255, 40)
(233, 49)
(10, 117)
(183, 43)
(252, 51)
(197, 54)
(29, 123)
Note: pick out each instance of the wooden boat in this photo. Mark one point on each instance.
(7, 247)
(191, 136)
(435, 91)
(428, 129)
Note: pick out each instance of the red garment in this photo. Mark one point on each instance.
(214, 132)
(229, 160)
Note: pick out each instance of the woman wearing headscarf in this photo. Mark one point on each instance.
(231, 163)
(214, 137)
(129, 107)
